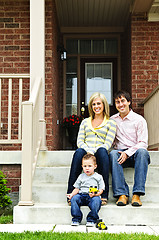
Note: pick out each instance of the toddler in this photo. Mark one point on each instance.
(81, 196)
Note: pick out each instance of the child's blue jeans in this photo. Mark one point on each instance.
(93, 203)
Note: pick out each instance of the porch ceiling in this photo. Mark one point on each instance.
(98, 15)
(154, 11)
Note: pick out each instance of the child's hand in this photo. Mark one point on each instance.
(69, 196)
(92, 194)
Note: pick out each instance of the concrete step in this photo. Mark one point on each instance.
(61, 175)
(55, 158)
(148, 214)
(49, 194)
(56, 193)
(64, 158)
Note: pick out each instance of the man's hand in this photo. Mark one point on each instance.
(122, 157)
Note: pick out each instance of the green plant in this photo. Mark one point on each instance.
(4, 190)
(6, 219)
(72, 120)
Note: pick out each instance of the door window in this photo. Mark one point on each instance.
(98, 78)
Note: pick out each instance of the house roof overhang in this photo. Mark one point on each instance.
(87, 16)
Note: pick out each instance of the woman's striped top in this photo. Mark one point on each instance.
(90, 139)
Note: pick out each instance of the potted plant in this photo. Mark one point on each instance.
(72, 123)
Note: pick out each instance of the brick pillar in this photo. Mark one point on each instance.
(145, 59)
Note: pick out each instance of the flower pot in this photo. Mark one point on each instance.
(72, 133)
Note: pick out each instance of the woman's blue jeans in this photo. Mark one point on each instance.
(79, 200)
(139, 160)
(102, 168)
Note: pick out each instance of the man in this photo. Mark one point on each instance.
(130, 151)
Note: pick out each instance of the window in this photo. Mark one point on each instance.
(92, 46)
(99, 79)
(71, 86)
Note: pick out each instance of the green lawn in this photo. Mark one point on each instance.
(6, 219)
(74, 236)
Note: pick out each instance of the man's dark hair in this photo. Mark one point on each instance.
(122, 93)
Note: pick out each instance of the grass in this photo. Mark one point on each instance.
(6, 219)
(75, 236)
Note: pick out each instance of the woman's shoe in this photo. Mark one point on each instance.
(104, 201)
(69, 202)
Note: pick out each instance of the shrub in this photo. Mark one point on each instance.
(4, 190)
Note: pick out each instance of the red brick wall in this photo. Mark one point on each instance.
(14, 36)
(15, 58)
(53, 80)
(13, 176)
(145, 59)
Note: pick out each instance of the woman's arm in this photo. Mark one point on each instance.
(110, 136)
(81, 143)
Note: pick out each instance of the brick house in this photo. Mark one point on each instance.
(120, 37)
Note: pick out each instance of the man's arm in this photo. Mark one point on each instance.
(142, 138)
(142, 141)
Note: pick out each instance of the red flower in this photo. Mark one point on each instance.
(72, 120)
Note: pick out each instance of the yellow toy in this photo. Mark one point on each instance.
(101, 225)
(93, 189)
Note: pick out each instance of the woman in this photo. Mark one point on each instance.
(96, 135)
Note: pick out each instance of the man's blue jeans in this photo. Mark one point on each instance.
(139, 160)
(93, 203)
(102, 168)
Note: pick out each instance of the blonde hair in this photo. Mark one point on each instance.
(89, 156)
(104, 101)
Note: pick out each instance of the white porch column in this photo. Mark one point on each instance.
(37, 47)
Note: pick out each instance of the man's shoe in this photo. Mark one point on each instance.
(136, 202)
(122, 200)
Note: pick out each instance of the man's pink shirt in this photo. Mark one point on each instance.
(131, 133)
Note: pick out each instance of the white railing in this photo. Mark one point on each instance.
(7, 87)
(151, 114)
(33, 140)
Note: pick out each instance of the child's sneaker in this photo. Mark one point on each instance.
(75, 223)
(90, 224)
